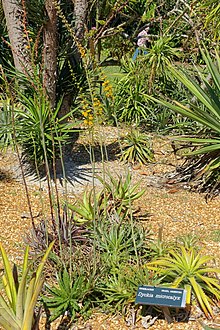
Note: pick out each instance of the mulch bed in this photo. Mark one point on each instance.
(168, 206)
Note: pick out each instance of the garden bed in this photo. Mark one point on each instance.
(167, 205)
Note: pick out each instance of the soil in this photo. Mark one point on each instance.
(167, 205)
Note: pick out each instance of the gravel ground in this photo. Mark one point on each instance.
(171, 207)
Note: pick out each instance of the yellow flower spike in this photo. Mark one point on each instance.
(85, 114)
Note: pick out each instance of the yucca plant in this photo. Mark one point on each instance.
(131, 103)
(39, 129)
(17, 303)
(207, 113)
(190, 269)
(158, 57)
(136, 147)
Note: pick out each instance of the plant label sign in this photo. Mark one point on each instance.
(161, 296)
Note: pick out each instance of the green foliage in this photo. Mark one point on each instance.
(211, 9)
(85, 210)
(158, 248)
(118, 242)
(188, 241)
(116, 198)
(148, 74)
(39, 130)
(118, 291)
(206, 327)
(131, 104)
(19, 299)
(124, 46)
(207, 114)
(69, 295)
(136, 148)
(189, 268)
(6, 133)
(216, 235)
(118, 195)
(159, 56)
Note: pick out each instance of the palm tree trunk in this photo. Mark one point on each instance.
(15, 21)
(50, 51)
(80, 11)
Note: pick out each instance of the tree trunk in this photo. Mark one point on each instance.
(80, 11)
(50, 51)
(15, 22)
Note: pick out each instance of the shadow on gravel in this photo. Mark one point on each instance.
(77, 164)
(5, 176)
(81, 154)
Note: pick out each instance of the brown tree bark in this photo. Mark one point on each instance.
(80, 11)
(50, 51)
(14, 15)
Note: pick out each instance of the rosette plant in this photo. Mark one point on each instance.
(190, 269)
(136, 147)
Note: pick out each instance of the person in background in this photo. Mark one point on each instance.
(142, 41)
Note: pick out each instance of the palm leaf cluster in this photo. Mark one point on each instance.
(204, 162)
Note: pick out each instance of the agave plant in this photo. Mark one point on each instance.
(207, 113)
(189, 269)
(87, 209)
(19, 299)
